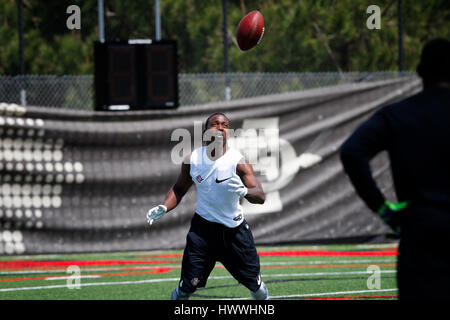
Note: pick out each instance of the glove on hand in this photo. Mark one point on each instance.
(156, 213)
(390, 214)
(236, 185)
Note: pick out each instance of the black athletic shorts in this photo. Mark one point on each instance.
(208, 242)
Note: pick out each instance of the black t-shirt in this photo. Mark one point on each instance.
(416, 134)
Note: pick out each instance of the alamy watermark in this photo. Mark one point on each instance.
(259, 146)
(74, 20)
(374, 280)
(374, 20)
(73, 281)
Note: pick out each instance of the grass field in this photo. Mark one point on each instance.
(326, 272)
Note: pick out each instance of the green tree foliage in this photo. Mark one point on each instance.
(300, 35)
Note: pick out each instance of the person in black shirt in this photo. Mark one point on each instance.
(416, 134)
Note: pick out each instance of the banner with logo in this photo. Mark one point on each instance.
(79, 181)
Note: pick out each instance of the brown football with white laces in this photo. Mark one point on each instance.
(250, 30)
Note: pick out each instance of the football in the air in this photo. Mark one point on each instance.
(250, 30)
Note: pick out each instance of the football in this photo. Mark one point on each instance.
(250, 30)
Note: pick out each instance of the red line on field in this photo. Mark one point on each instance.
(24, 279)
(295, 253)
(20, 264)
(327, 253)
(87, 269)
(357, 297)
(66, 263)
(36, 269)
(167, 255)
(156, 270)
(327, 266)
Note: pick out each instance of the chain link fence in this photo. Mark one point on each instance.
(77, 91)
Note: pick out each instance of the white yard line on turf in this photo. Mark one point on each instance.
(322, 294)
(52, 271)
(321, 274)
(332, 293)
(177, 279)
(378, 246)
(71, 277)
(90, 284)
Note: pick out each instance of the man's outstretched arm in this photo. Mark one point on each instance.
(368, 140)
(179, 189)
(174, 195)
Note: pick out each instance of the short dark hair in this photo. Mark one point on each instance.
(214, 114)
(434, 63)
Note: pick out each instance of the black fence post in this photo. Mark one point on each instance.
(21, 59)
(225, 51)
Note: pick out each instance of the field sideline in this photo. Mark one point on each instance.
(325, 272)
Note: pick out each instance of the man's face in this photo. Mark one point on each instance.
(218, 127)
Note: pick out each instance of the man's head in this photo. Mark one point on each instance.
(212, 118)
(434, 66)
(217, 125)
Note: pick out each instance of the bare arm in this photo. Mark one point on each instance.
(255, 192)
(179, 189)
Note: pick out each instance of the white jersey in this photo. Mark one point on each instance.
(214, 202)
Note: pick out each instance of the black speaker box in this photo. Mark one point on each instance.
(136, 75)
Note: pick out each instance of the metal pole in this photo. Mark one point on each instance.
(225, 51)
(400, 36)
(23, 93)
(157, 21)
(101, 23)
